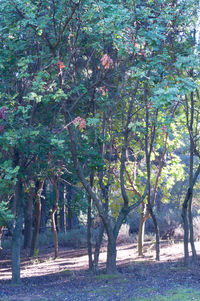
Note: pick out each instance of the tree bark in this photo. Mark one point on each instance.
(17, 233)
(62, 197)
(1, 234)
(186, 230)
(111, 256)
(98, 246)
(190, 219)
(187, 204)
(43, 217)
(156, 232)
(53, 222)
(141, 235)
(89, 236)
(28, 220)
(143, 217)
(192, 147)
(39, 186)
(184, 215)
(69, 211)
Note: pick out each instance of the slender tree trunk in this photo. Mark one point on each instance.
(63, 223)
(62, 197)
(56, 220)
(43, 217)
(39, 186)
(28, 220)
(53, 222)
(89, 236)
(143, 217)
(98, 246)
(149, 139)
(186, 229)
(187, 205)
(17, 233)
(184, 214)
(1, 234)
(69, 211)
(141, 235)
(54, 232)
(156, 232)
(190, 219)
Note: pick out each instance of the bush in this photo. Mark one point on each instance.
(7, 243)
(74, 238)
(45, 239)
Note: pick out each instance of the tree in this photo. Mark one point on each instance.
(90, 86)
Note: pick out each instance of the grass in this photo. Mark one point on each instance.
(67, 273)
(179, 294)
(107, 276)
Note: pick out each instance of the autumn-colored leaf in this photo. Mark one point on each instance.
(82, 124)
(103, 90)
(106, 61)
(80, 121)
(77, 120)
(60, 65)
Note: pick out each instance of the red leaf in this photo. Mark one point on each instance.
(106, 61)
(60, 65)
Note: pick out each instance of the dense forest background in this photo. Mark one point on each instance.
(99, 123)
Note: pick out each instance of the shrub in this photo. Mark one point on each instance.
(74, 238)
(7, 243)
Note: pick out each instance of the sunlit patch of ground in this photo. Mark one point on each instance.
(74, 260)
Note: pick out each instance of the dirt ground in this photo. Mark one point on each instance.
(67, 277)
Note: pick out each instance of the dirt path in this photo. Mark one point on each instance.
(66, 278)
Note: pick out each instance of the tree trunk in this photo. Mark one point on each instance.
(28, 220)
(190, 219)
(17, 232)
(62, 197)
(69, 211)
(63, 223)
(98, 246)
(39, 186)
(43, 217)
(1, 234)
(54, 232)
(186, 234)
(184, 215)
(141, 235)
(186, 228)
(187, 205)
(156, 232)
(89, 236)
(53, 221)
(143, 217)
(111, 256)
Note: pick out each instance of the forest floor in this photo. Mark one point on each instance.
(67, 277)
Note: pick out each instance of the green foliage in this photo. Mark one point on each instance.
(5, 214)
